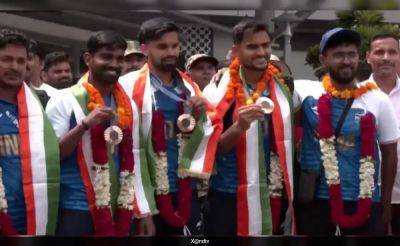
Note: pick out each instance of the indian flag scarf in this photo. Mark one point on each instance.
(199, 152)
(141, 206)
(255, 213)
(40, 167)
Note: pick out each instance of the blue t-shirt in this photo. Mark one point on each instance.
(347, 149)
(226, 178)
(73, 193)
(11, 164)
(169, 107)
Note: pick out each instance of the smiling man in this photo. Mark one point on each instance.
(254, 159)
(384, 57)
(96, 176)
(345, 125)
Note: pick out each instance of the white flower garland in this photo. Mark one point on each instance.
(183, 139)
(275, 176)
(102, 185)
(3, 199)
(367, 171)
(126, 194)
(329, 160)
(330, 163)
(162, 183)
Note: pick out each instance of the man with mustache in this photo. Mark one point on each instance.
(384, 57)
(57, 70)
(252, 187)
(96, 175)
(29, 155)
(163, 94)
(345, 125)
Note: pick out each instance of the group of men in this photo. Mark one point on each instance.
(127, 149)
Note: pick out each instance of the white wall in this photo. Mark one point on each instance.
(296, 64)
(298, 67)
(222, 43)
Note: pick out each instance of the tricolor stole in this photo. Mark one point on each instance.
(79, 101)
(199, 153)
(253, 204)
(40, 164)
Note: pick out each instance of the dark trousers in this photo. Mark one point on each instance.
(395, 223)
(163, 229)
(79, 223)
(74, 223)
(220, 218)
(221, 214)
(314, 219)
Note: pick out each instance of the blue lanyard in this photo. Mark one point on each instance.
(158, 85)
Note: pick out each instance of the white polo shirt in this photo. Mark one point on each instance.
(394, 97)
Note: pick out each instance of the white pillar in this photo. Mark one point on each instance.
(75, 60)
(287, 48)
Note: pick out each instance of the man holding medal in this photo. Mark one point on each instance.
(346, 124)
(94, 122)
(254, 161)
(179, 129)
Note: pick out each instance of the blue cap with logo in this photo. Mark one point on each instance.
(337, 33)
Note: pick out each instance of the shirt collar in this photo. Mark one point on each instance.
(396, 87)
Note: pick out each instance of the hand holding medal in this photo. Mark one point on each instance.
(186, 122)
(98, 115)
(266, 104)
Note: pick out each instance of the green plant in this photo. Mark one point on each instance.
(367, 23)
(312, 56)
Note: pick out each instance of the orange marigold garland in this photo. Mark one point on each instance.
(346, 94)
(124, 115)
(235, 87)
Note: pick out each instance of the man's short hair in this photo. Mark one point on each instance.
(11, 36)
(155, 28)
(384, 36)
(54, 58)
(240, 28)
(36, 48)
(105, 38)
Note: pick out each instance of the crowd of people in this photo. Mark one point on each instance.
(138, 147)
